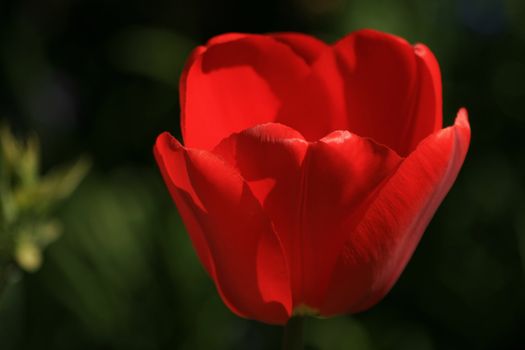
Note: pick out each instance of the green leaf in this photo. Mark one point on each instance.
(31, 241)
(53, 188)
(27, 166)
(9, 148)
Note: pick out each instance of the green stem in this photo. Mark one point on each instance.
(293, 334)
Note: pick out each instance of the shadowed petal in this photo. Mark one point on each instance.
(306, 46)
(221, 214)
(237, 81)
(269, 157)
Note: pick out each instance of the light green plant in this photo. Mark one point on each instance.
(27, 200)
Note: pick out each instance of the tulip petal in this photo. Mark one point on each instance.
(312, 188)
(378, 249)
(186, 210)
(341, 175)
(269, 157)
(373, 84)
(429, 111)
(227, 37)
(230, 231)
(306, 46)
(382, 86)
(235, 82)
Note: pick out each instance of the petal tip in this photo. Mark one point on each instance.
(377, 34)
(462, 116)
(337, 136)
(166, 141)
(226, 37)
(462, 120)
(421, 50)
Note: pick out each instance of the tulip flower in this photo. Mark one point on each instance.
(309, 171)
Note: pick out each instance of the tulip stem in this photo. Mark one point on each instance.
(293, 334)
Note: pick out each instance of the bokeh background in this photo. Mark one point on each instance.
(99, 78)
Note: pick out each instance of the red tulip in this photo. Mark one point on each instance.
(309, 172)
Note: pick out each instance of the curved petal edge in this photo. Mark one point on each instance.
(379, 248)
(232, 235)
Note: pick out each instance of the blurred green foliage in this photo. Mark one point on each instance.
(100, 77)
(26, 202)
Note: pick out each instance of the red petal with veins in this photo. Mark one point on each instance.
(380, 246)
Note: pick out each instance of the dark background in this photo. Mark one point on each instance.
(100, 78)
